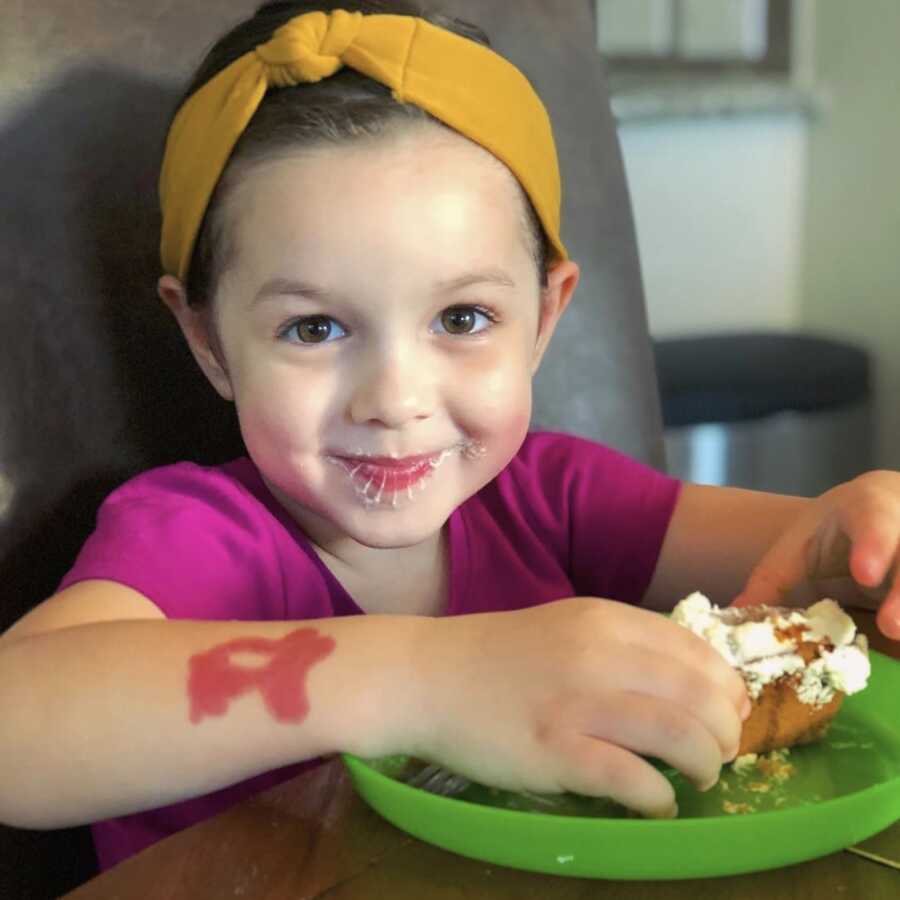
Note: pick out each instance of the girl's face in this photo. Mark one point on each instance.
(378, 328)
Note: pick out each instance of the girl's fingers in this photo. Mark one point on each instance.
(861, 540)
(766, 586)
(653, 727)
(875, 541)
(596, 768)
(714, 693)
(888, 618)
(873, 530)
(656, 641)
(781, 568)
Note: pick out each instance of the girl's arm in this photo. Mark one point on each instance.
(130, 711)
(752, 547)
(716, 537)
(108, 708)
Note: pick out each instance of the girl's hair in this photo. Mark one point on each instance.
(344, 107)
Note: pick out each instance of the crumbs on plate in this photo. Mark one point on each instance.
(736, 808)
(759, 774)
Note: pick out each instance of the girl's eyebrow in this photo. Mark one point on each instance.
(276, 287)
(480, 276)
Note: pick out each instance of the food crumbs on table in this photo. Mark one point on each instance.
(759, 787)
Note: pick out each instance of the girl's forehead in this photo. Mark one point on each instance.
(427, 155)
(396, 188)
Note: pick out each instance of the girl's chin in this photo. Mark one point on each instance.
(397, 520)
(388, 538)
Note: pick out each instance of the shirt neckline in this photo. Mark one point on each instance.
(345, 605)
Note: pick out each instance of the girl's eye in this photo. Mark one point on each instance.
(312, 330)
(466, 319)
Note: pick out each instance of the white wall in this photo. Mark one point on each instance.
(780, 221)
(851, 252)
(718, 206)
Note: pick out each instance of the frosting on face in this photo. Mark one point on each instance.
(379, 486)
(762, 643)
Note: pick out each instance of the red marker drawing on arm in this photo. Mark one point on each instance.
(215, 679)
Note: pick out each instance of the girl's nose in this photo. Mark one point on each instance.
(395, 387)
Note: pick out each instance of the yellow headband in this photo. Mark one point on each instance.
(460, 82)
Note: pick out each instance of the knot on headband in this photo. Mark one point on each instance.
(461, 83)
(309, 48)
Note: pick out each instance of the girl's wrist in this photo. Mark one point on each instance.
(436, 668)
(379, 696)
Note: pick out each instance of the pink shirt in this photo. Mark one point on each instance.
(566, 517)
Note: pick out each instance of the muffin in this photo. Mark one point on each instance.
(798, 665)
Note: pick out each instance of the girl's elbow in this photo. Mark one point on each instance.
(23, 809)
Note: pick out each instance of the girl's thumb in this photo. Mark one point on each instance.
(773, 577)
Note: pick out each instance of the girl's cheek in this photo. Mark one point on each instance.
(502, 389)
(500, 416)
(508, 439)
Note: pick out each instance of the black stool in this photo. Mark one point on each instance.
(789, 413)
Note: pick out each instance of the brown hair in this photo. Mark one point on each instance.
(346, 106)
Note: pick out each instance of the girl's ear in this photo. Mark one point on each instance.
(562, 280)
(199, 332)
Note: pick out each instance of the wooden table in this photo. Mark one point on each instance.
(312, 837)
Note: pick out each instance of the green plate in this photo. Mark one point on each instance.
(842, 790)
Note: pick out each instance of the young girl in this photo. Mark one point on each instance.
(361, 245)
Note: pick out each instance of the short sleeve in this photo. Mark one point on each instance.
(193, 540)
(620, 511)
(613, 510)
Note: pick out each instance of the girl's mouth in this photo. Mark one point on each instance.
(388, 476)
(382, 481)
(385, 481)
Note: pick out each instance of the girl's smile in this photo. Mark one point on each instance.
(389, 480)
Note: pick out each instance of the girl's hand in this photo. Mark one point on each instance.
(565, 696)
(850, 532)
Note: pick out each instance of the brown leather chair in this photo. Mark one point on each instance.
(95, 383)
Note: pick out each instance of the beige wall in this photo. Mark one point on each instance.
(718, 205)
(850, 273)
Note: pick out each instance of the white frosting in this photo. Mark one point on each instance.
(763, 648)
(760, 672)
(826, 619)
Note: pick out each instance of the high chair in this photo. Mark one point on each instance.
(95, 381)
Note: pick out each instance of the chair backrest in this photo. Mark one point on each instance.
(95, 383)
(598, 377)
